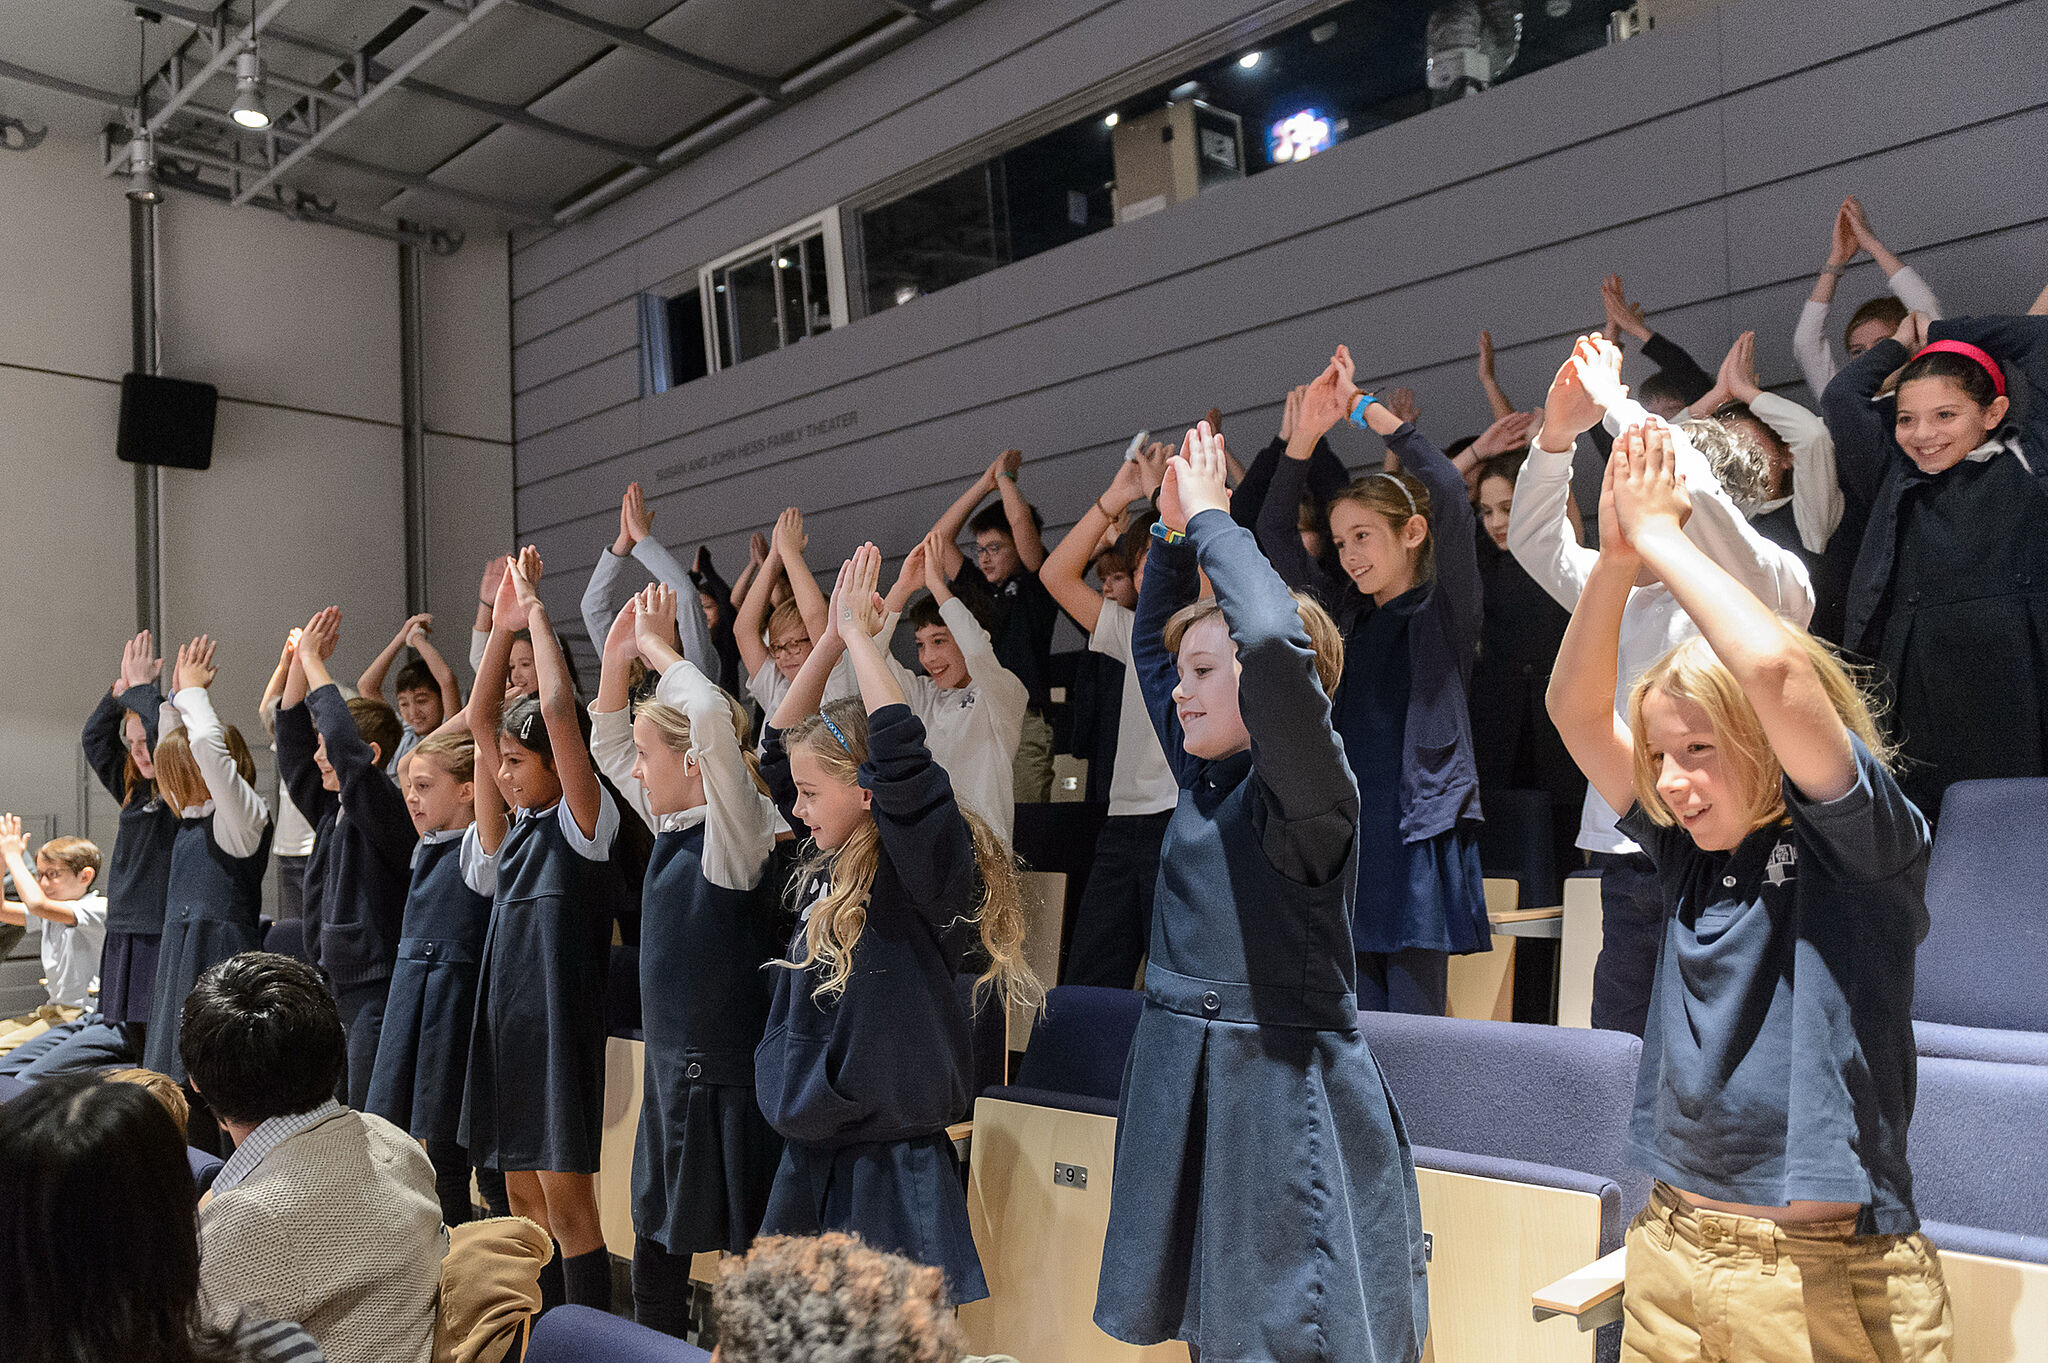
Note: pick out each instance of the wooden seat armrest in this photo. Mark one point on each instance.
(1576, 1294)
(1528, 915)
(962, 1136)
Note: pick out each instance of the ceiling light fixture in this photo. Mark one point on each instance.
(142, 185)
(248, 109)
(1249, 60)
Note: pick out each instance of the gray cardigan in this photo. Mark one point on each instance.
(337, 1229)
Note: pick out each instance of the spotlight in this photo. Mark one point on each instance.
(142, 185)
(1249, 60)
(906, 292)
(1109, 120)
(782, 262)
(248, 109)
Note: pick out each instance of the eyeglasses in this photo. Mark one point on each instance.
(986, 551)
(790, 648)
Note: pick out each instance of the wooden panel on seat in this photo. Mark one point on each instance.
(1577, 951)
(1493, 1244)
(623, 1071)
(1041, 1244)
(2001, 1307)
(1045, 929)
(1483, 985)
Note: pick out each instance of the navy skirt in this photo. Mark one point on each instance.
(704, 1162)
(423, 1054)
(903, 1196)
(1428, 895)
(128, 975)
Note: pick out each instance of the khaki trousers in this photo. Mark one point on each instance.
(1031, 769)
(1708, 1287)
(29, 1026)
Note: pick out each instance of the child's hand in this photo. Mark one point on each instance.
(1401, 402)
(1127, 486)
(1622, 315)
(139, 663)
(494, 574)
(639, 521)
(525, 575)
(1859, 224)
(1738, 371)
(856, 609)
(13, 842)
(195, 664)
(757, 549)
(320, 634)
(1152, 465)
(933, 555)
(1614, 544)
(1346, 368)
(1324, 402)
(1649, 496)
(1912, 332)
(1598, 363)
(291, 646)
(790, 539)
(1842, 243)
(911, 574)
(506, 612)
(655, 625)
(1199, 475)
(621, 642)
(1006, 465)
(416, 629)
(1289, 410)
(1511, 432)
(1486, 357)
(1569, 411)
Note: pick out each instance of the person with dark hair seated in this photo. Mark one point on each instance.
(97, 1243)
(323, 1215)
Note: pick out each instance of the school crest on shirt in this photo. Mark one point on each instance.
(1783, 866)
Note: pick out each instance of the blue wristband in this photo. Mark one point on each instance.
(1365, 400)
(1166, 534)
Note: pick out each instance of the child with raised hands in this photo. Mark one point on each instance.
(1407, 601)
(1586, 389)
(1114, 919)
(214, 897)
(63, 898)
(1942, 431)
(520, 677)
(534, 1107)
(972, 706)
(705, 1158)
(1778, 1064)
(775, 643)
(636, 542)
(331, 755)
(1876, 319)
(422, 1062)
(1244, 1220)
(426, 687)
(867, 1056)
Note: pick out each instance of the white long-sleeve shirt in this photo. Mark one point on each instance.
(1814, 350)
(972, 730)
(1652, 624)
(239, 813)
(1816, 495)
(1140, 782)
(600, 608)
(739, 820)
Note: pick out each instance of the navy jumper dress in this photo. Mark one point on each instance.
(862, 1085)
(212, 909)
(535, 1098)
(423, 1054)
(139, 865)
(1264, 1204)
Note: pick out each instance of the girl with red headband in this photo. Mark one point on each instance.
(1947, 445)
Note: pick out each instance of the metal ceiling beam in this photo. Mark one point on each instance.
(225, 50)
(375, 91)
(917, 9)
(655, 47)
(63, 86)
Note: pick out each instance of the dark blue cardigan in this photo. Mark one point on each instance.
(1439, 777)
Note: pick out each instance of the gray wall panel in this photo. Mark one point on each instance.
(1502, 211)
(603, 333)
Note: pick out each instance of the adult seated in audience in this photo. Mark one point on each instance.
(795, 1299)
(324, 1216)
(98, 1247)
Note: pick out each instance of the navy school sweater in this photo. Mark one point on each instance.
(139, 865)
(361, 865)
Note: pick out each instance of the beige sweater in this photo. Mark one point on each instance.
(338, 1229)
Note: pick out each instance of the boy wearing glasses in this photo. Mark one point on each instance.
(73, 918)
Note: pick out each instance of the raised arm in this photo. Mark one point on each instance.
(1768, 661)
(1065, 569)
(1864, 445)
(487, 595)
(751, 623)
(1023, 530)
(487, 708)
(857, 613)
(580, 788)
(1496, 397)
(602, 591)
(422, 641)
(1322, 405)
(371, 682)
(14, 851)
(1002, 690)
(295, 733)
(611, 716)
(693, 633)
(790, 543)
(373, 800)
(949, 525)
(106, 746)
(1583, 680)
(1810, 345)
(1456, 530)
(239, 813)
(1539, 524)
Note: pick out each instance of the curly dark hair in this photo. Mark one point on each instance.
(831, 1299)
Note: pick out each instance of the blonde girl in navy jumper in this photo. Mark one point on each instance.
(866, 1060)
(1408, 601)
(215, 892)
(534, 1108)
(1778, 1062)
(705, 1157)
(423, 1052)
(1264, 1206)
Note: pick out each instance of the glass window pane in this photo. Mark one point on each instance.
(789, 284)
(932, 238)
(685, 336)
(752, 304)
(817, 286)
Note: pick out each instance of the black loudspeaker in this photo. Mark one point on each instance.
(166, 421)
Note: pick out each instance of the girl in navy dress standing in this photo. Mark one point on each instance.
(214, 897)
(1264, 1204)
(423, 1052)
(1408, 602)
(1778, 1064)
(705, 1157)
(534, 1107)
(866, 1060)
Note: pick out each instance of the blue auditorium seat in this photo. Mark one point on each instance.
(1977, 989)
(287, 937)
(622, 995)
(1078, 1048)
(579, 1334)
(205, 1167)
(1979, 1158)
